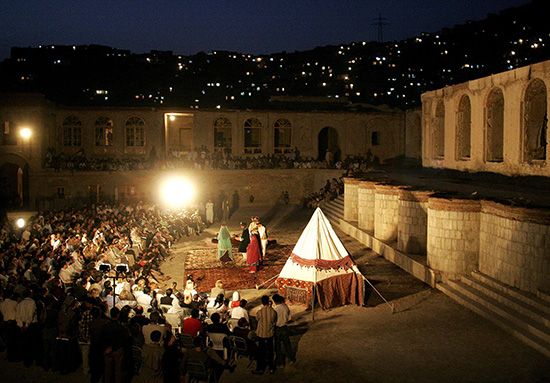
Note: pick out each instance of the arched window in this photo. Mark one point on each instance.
(494, 126)
(72, 131)
(463, 129)
(222, 134)
(282, 136)
(438, 131)
(103, 131)
(135, 132)
(535, 121)
(252, 136)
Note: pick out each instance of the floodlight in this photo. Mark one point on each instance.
(20, 223)
(172, 118)
(121, 268)
(177, 192)
(25, 133)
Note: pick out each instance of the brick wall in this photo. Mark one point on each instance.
(365, 202)
(386, 209)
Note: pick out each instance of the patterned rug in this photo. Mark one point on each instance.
(205, 268)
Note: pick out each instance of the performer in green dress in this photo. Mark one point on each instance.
(224, 244)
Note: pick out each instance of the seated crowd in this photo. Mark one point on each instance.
(82, 288)
(331, 190)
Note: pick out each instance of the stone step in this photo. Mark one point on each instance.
(333, 212)
(511, 301)
(521, 321)
(527, 298)
(500, 321)
(333, 209)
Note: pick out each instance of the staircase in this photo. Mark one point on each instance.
(334, 210)
(523, 315)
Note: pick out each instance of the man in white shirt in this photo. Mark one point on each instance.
(240, 311)
(25, 312)
(8, 308)
(282, 336)
(144, 299)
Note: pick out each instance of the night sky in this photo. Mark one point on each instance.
(247, 26)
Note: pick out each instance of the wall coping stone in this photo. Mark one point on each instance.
(367, 185)
(388, 189)
(415, 195)
(351, 181)
(454, 204)
(540, 216)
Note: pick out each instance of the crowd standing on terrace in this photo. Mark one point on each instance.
(203, 159)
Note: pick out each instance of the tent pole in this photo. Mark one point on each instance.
(313, 303)
(378, 292)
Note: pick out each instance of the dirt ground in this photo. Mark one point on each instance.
(425, 338)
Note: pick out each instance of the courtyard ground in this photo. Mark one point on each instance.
(427, 337)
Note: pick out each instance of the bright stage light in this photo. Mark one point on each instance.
(20, 223)
(25, 133)
(177, 192)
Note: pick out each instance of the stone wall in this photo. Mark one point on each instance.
(266, 185)
(453, 235)
(386, 209)
(350, 199)
(515, 246)
(365, 206)
(412, 228)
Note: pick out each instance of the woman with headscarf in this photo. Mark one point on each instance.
(224, 244)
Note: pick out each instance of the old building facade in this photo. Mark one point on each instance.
(146, 134)
(494, 124)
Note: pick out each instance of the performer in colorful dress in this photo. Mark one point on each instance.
(224, 244)
(253, 253)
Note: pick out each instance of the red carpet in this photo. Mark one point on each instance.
(205, 268)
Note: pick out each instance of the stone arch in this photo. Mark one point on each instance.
(494, 126)
(535, 121)
(327, 139)
(438, 131)
(463, 128)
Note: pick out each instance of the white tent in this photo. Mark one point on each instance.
(321, 264)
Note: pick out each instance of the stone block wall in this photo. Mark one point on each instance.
(386, 209)
(350, 199)
(515, 246)
(453, 235)
(412, 227)
(365, 201)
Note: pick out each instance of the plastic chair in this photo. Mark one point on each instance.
(239, 347)
(185, 340)
(198, 372)
(174, 319)
(217, 342)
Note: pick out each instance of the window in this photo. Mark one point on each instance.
(438, 131)
(463, 129)
(375, 138)
(252, 136)
(9, 137)
(494, 126)
(135, 132)
(222, 134)
(103, 132)
(72, 131)
(535, 122)
(282, 135)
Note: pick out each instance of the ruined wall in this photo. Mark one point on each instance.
(412, 230)
(453, 235)
(515, 246)
(350, 199)
(365, 206)
(386, 209)
(510, 150)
